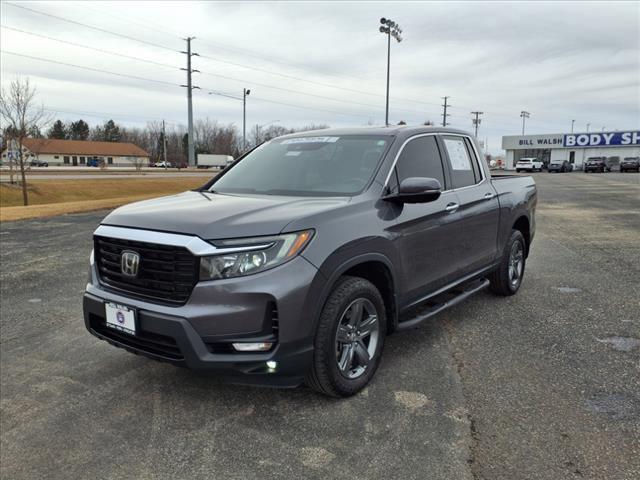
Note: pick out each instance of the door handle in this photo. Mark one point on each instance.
(452, 207)
(488, 196)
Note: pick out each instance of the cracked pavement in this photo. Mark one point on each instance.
(542, 385)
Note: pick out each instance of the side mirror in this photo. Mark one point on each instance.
(416, 190)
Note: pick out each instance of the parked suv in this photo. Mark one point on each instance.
(529, 165)
(630, 164)
(597, 164)
(560, 166)
(294, 263)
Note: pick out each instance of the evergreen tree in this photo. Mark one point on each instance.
(34, 132)
(58, 130)
(79, 130)
(111, 132)
(185, 145)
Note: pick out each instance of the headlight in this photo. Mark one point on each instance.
(269, 252)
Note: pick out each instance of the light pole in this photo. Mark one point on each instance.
(572, 123)
(391, 29)
(588, 125)
(524, 116)
(245, 92)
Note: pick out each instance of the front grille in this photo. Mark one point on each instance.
(166, 274)
(146, 342)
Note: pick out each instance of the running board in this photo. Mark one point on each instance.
(433, 308)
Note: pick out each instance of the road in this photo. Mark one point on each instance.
(542, 385)
(89, 176)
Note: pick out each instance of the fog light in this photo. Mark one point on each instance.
(253, 347)
(272, 365)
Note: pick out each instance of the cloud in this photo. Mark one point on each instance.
(558, 60)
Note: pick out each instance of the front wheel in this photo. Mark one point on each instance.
(349, 339)
(507, 278)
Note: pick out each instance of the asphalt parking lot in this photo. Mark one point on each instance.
(543, 385)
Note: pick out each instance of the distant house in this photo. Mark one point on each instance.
(77, 152)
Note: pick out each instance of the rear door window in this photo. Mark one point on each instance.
(463, 173)
(420, 157)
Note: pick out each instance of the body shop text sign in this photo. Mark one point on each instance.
(602, 139)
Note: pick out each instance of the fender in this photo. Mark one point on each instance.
(340, 261)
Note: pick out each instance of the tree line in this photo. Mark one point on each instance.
(210, 136)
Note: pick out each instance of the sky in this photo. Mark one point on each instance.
(325, 62)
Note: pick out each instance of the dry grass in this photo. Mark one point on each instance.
(56, 197)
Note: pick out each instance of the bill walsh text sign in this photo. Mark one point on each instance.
(602, 139)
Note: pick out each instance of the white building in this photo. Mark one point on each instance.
(77, 152)
(574, 147)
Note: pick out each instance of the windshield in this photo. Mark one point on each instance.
(307, 166)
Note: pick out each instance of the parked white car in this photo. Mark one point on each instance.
(163, 164)
(529, 165)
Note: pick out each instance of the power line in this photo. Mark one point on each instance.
(313, 82)
(90, 68)
(54, 109)
(212, 74)
(103, 30)
(299, 92)
(163, 82)
(211, 58)
(311, 108)
(146, 24)
(109, 52)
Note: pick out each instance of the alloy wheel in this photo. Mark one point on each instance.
(516, 264)
(357, 338)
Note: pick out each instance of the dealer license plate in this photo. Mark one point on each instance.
(121, 317)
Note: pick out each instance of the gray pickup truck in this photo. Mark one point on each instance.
(294, 263)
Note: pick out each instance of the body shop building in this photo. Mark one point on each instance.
(573, 147)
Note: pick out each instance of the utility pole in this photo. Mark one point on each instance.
(572, 124)
(524, 116)
(444, 112)
(245, 92)
(189, 86)
(476, 120)
(392, 29)
(164, 145)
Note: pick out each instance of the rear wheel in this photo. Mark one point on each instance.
(507, 278)
(349, 340)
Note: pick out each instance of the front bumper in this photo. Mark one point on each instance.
(270, 306)
(172, 339)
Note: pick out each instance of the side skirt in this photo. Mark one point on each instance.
(441, 302)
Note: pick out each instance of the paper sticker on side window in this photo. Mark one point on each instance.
(310, 140)
(457, 154)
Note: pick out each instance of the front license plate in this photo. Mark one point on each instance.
(121, 317)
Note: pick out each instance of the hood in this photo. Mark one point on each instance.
(216, 216)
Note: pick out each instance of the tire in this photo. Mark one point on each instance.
(502, 278)
(517, 171)
(326, 375)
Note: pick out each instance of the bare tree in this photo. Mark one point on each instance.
(19, 111)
